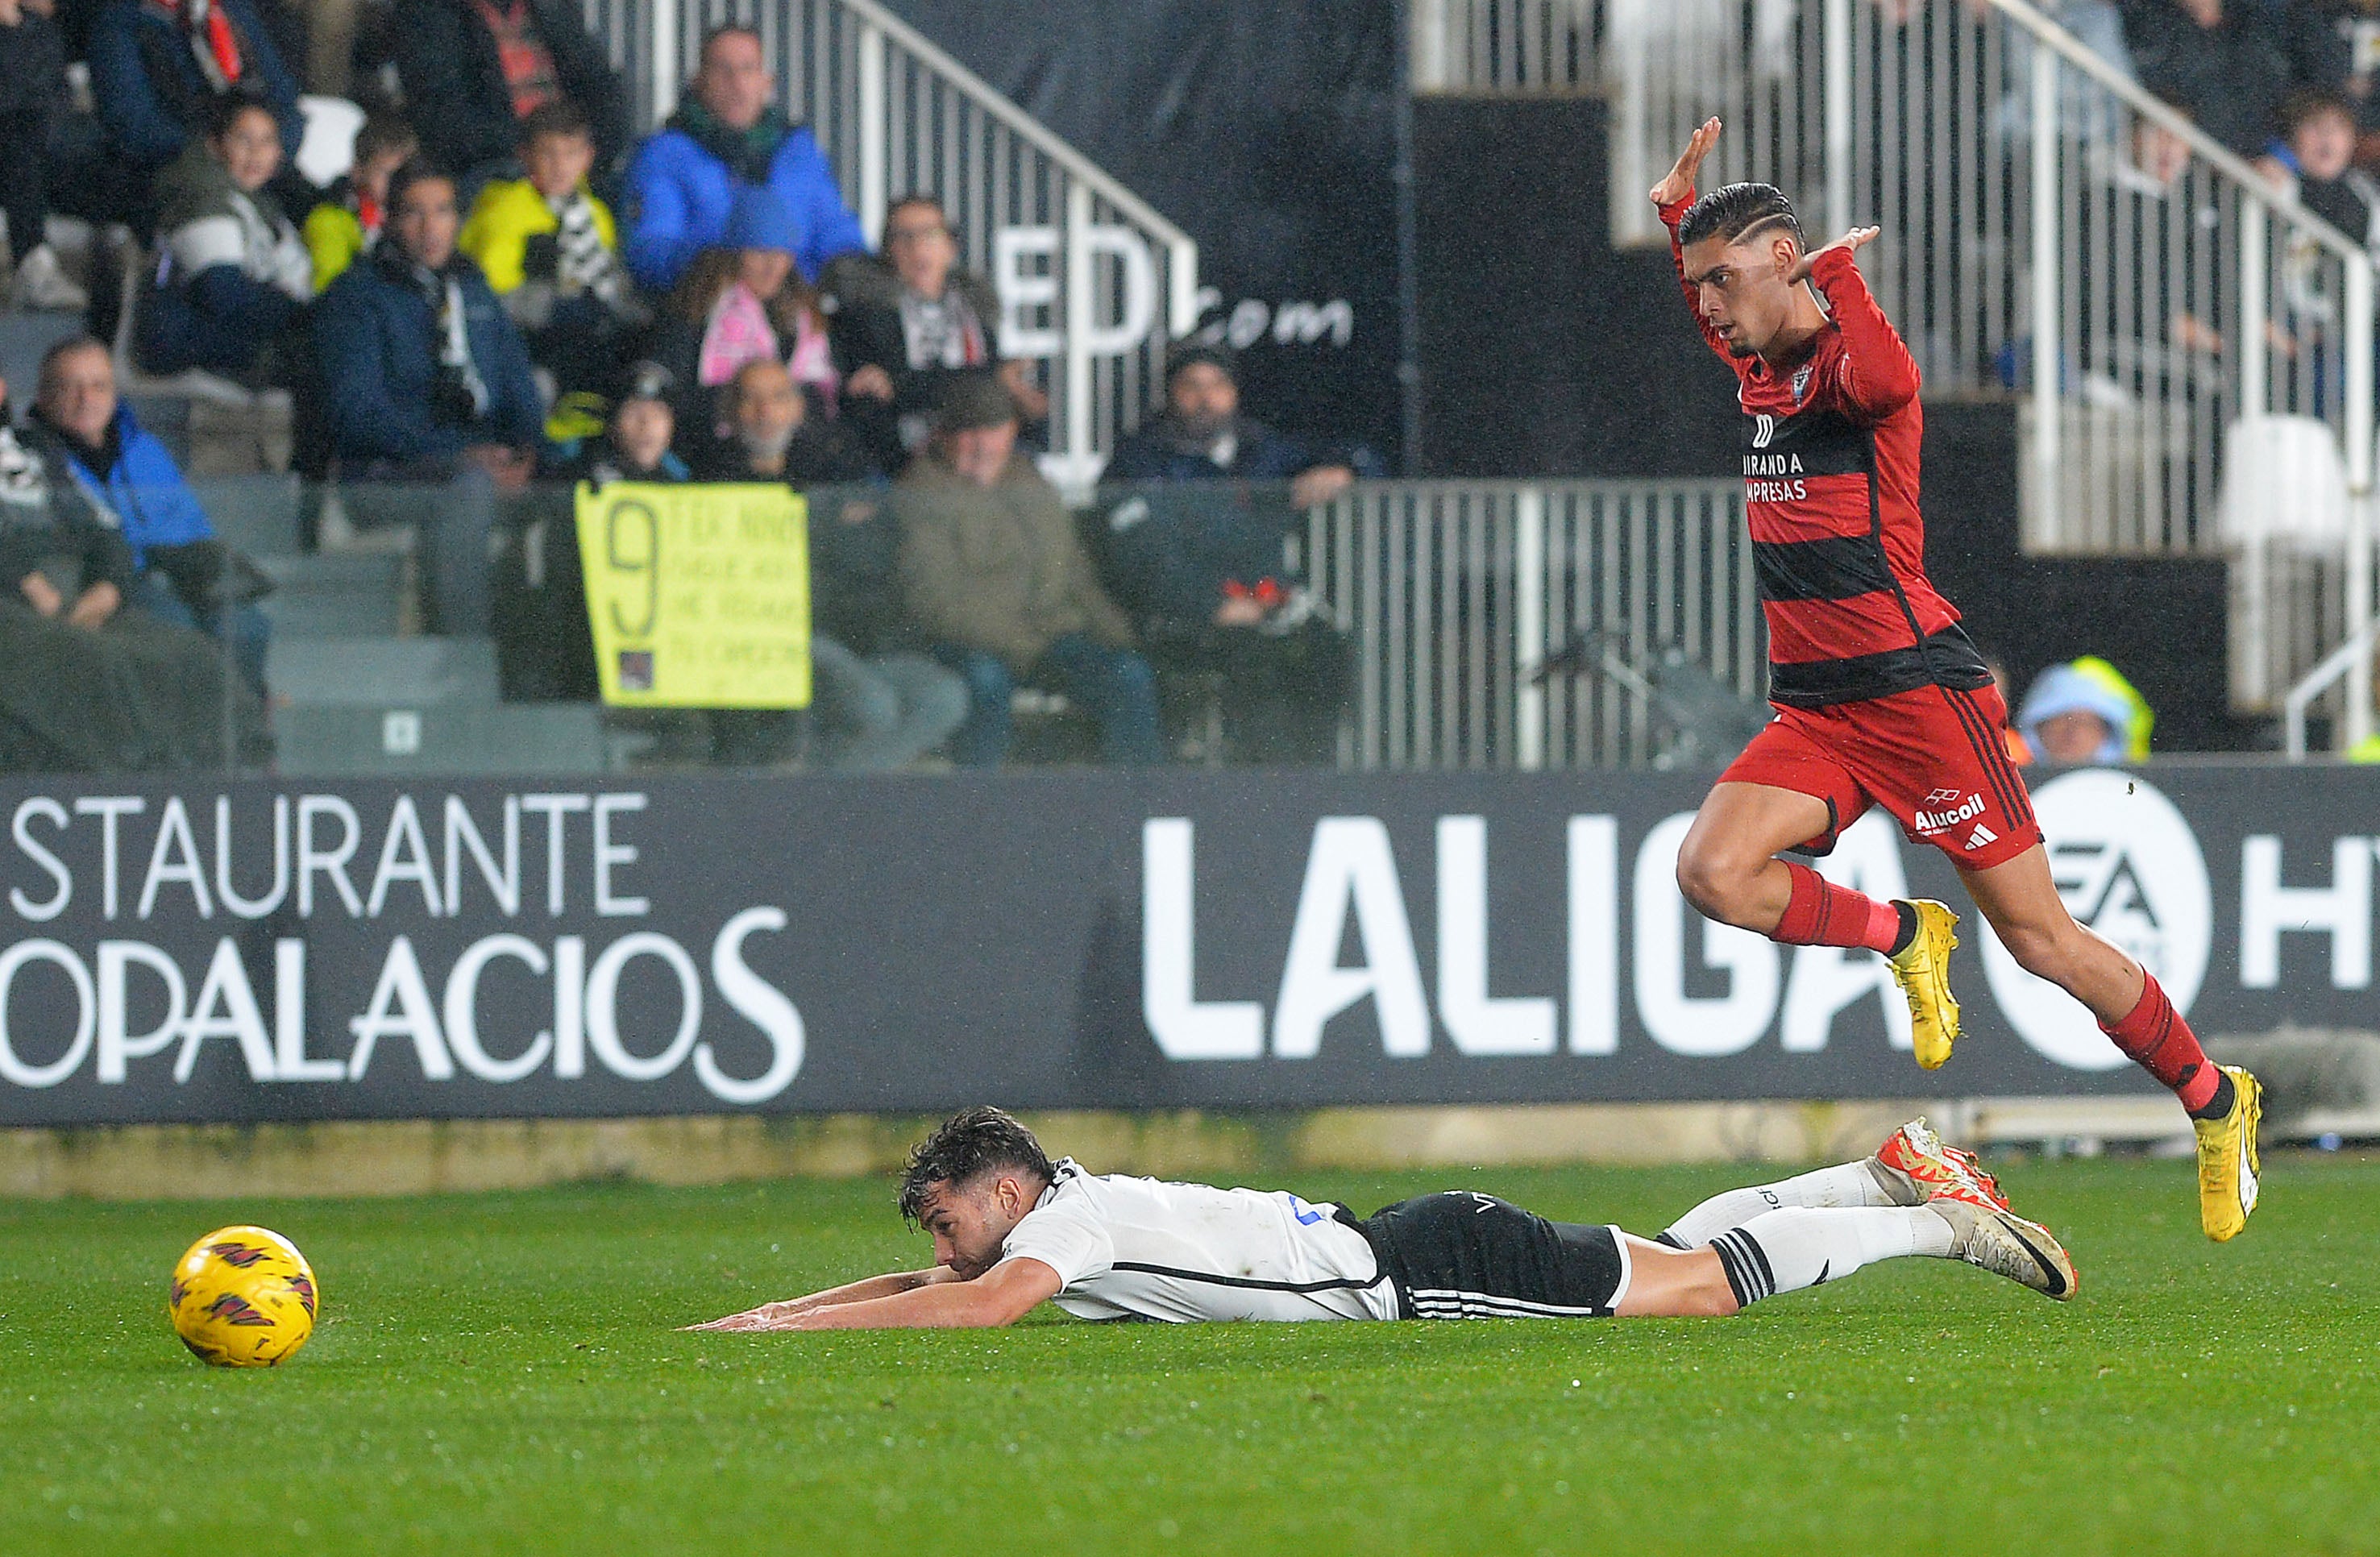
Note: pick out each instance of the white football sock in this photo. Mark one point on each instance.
(1787, 1250)
(1847, 1184)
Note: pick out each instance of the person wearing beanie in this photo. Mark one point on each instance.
(997, 579)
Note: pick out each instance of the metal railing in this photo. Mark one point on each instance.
(1092, 281)
(2027, 188)
(1534, 624)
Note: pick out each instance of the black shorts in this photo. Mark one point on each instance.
(1462, 1255)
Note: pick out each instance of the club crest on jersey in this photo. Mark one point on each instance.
(1802, 381)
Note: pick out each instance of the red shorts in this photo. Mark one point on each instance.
(1935, 759)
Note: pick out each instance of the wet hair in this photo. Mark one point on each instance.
(383, 132)
(412, 171)
(224, 110)
(558, 117)
(967, 1146)
(1735, 212)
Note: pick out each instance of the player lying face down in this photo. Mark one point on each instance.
(1012, 1229)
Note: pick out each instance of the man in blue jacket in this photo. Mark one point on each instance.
(158, 65)
(433, 416)
(183, 573)
(682, 178)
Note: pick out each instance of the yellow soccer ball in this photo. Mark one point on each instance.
(243, 1297)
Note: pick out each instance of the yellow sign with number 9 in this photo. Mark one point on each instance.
(698, 596)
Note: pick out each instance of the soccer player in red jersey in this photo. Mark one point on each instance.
(1881, 698)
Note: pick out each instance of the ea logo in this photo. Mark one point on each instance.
(2128, 865)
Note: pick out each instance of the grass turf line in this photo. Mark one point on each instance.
(495, 1372)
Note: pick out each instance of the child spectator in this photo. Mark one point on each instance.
(549, 248)
(2316, 151)
(345, 225)
(738, 304)
(234, 277)
(636, 441)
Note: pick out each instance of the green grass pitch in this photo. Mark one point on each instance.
(498, 1373)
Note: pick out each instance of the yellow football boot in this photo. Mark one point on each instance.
(1922, 968)
(2226, 1159)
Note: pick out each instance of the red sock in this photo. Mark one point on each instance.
(2155, 1039)
(1822, 914)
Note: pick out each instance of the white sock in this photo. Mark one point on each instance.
(1847, 1184)
(1787, 1250)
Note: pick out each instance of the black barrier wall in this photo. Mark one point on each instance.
(1074, 939)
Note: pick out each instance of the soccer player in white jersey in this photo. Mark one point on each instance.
(1012, 1230)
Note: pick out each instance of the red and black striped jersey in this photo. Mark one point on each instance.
(1830, 460)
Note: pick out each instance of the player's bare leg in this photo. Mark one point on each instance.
(1729, 869)
(2225, 1102)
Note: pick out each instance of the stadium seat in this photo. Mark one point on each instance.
(334, 595)
(386, 740)
(2283, 480)
(257, 514)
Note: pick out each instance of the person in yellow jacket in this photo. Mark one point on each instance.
(551, 251)
(343, 227)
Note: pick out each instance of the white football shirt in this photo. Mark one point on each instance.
(1141, 1248)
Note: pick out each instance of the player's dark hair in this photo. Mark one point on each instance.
(967, 1146)
(1735, 212)
(412, 171)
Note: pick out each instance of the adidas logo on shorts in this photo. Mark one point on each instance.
(1982, 835)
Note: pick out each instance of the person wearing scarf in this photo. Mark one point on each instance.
(474, 70)
(345, 225)
(234, 277)
(433, 413)
(727, 136)
(157, 68)
(548, 247)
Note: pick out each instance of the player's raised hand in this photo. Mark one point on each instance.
(1680, 181)
(1850, 242)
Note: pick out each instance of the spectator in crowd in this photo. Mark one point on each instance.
(886, 704)
(2086, 110)
(2333, 46)
(2315, 156)
(738, 303)
(903, 326)
(682, 181)
(158, 65)
(774, 438)
(636, 441)
(548, 247)
(1201, 437)
(32, 105)
(996, 577)
(473, 71)
(182, 572)
(93, 687)
(345, 224)
(433, 412)
(2085, 711)
(233, 281)
(2219, 61)
(1199, 561)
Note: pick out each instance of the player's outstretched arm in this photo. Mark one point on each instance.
(1880, 375)
(1001, 1295)
(770, 1316)
(1679, 186)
